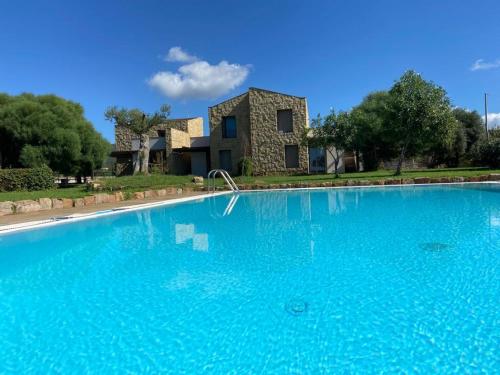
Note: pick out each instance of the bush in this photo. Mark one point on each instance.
(487, 153)
(245, 167)
(30, 179)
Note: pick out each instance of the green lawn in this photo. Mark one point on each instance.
(380, 174)
(141, 183)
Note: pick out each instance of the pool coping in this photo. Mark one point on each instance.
(58, 220)
(28, 225)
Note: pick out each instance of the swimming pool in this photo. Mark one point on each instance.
(394, 279)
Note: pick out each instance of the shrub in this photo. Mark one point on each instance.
(487, 153)
(30, 179)
(245, 167)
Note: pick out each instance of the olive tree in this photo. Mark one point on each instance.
(421, 116)
(138, 123)
(333, 133)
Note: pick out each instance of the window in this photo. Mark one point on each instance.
(285, 120)
(225, 160)
(229, 127)
(161, 133)
(291, 156)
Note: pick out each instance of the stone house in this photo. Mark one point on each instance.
(261, 125)
(177, 147)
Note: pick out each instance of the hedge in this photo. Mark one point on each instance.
(30, 179)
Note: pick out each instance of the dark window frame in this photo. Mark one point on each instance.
(230, 159)
(297, 164)
(161, 133)
(284, 128)
(225, 130)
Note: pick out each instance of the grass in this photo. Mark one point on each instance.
(141, 183)
(374, 175)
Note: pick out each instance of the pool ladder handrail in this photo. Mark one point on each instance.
(227, 178)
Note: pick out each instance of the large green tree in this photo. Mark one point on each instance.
(138, 123)
(333, 133)
(46, 129)
(420, 116)
(472, 124)
(370, 121)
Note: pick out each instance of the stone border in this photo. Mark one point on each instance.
(44, 204)
(5, 229)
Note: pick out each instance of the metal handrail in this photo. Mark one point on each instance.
(227, 178)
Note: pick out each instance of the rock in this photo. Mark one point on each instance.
(111, 198)
(45, 203)
(119, 196)
(94, 186)
(350, 183)
(89, 200)
(378, 182)
(67, 203)
(494, 177)
(26, 206)
(150, 194)
(101, 198)
(161, 192)
(484, 177)
(364, 183)
(138, 195)
(422, 180)
(393, 181)
(6, 208)
(179, 191)
(78, 202)
(171, 190)
(458, 179)
(198, 180)
(57, 203)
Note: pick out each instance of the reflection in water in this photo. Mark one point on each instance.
(187, 232)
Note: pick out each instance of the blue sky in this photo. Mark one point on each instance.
(102, 53)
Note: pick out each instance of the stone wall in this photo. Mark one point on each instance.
(193, 126)
(268, 145)
(238, 107)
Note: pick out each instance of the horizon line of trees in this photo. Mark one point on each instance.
(414, 118)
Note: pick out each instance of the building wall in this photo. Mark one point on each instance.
(177, 134)
(238, 107)
(268, 145)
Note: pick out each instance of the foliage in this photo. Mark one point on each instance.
(333, 133)
(494, 133)
(472, 124)
(138, 123)
(487, 153)
(46, 129)
(245, 166)
(26, 179)
(370, 121)
(421, 118)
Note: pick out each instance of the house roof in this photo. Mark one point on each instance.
(257, 89)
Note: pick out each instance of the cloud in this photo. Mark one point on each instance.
(493, 120)
(198, 79)
(483, 65)
(176, 54)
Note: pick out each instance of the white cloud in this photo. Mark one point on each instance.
(177, 54)
(483, 65)
(493, 120)
(198, 79)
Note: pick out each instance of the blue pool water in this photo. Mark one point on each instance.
(395, 280)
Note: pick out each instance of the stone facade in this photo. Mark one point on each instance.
(257, 134)
(177, 134)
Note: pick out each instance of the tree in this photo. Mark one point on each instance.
(369, 120)
(473, 126)
(333, 133)
(138, 123)
(46, 129)
(421, 116)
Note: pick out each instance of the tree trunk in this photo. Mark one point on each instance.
(144, 153)
(401, 159)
